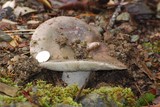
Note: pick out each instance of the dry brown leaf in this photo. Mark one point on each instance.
(15, 41)
(11, 91)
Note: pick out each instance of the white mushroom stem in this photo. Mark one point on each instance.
(79, 77)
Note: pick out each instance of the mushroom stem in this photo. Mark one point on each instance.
(78, 77)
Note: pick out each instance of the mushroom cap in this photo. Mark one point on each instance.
(54, 36)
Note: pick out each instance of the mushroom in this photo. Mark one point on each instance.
(74, 48)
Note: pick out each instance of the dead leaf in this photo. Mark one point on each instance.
(4, 25)
(21, 11)
(5, 45)
(15, 41)
(9, 21)
(9, 4)
(11, 91)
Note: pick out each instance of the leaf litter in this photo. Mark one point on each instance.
(133, 42)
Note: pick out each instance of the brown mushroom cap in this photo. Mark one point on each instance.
(67, 30)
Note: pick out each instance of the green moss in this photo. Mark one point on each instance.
(152, 47)
(47, 95)
(123, 97)
(144, 99)
(4, 100)
(7, 81)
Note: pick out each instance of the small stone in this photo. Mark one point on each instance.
(139, 9)
(15, 58)
(140, 82)
(96, 100)
(64, 105)
(108, 35)
(70, 12)
(27, 36)
(127, 27)
(123, 17)
(93, 100)
(134, 38)
(150, 53)
(139, 47)
(4, 37)
(25, 104)
(111, 46)
(100, 30)
(25, 49)
(149, 64)
(10, 67)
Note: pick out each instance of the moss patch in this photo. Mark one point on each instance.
(47, 95)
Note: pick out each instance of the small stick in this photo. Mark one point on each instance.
(141, 94)
(115, 14)
(24, 30)
(21, 33)
(147, 71)
(79, 93)
(81, 89)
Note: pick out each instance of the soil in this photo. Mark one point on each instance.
(141, 58)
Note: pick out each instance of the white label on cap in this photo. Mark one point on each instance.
(43, 56)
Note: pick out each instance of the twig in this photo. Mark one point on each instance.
(147, 71)
(115, 14)
(141, 94)
(24, 30)
(81, 89)
(79, 93)
(21, 33)
(143, 67)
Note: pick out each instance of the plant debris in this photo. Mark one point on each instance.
(128, 29)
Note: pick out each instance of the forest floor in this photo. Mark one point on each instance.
(133, 39)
